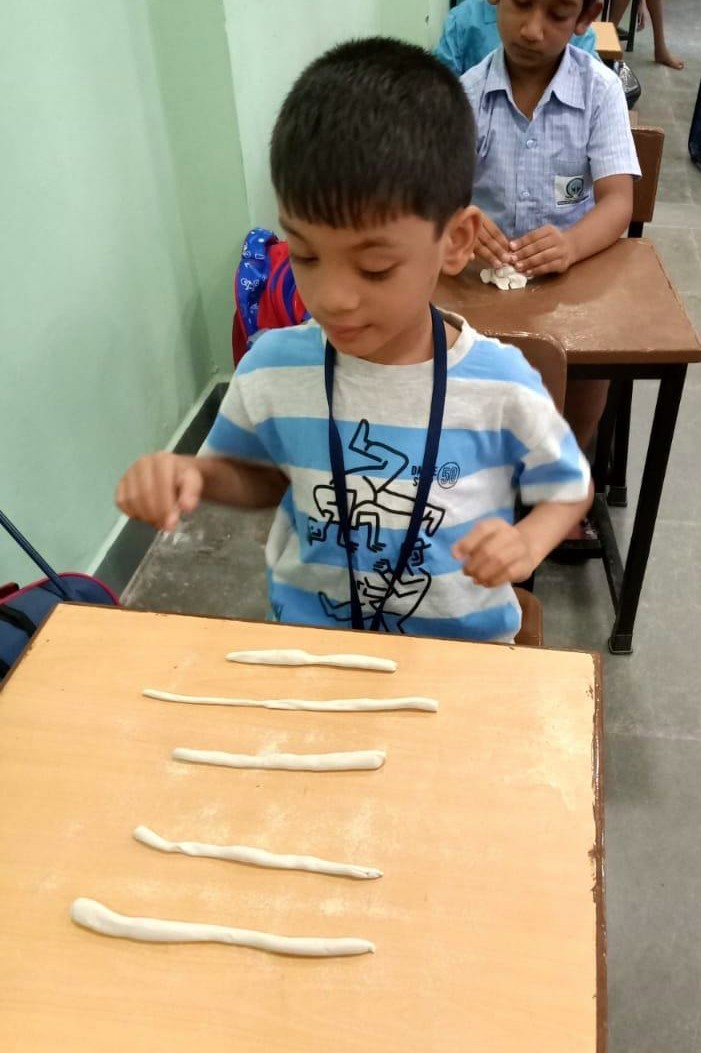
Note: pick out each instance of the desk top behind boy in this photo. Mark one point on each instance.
(393, 438)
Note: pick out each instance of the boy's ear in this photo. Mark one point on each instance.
(587, 17)
(460, 236)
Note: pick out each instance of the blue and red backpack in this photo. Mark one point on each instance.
(265, 291)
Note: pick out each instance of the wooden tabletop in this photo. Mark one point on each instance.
(482, 820)
(608, 45)
(617, 307)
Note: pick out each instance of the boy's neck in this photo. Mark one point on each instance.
(409, 348)
(413, 346)
(528, 85)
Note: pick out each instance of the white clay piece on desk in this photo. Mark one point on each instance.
(359, 760)
(505, 277)
(297, 657)
(332, 705)
(256, 857)
(98, 918)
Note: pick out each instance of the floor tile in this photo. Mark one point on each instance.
(653, 803)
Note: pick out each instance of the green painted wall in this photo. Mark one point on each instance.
(417, 20)
(272, 40)
(135, 156)
(123, 208)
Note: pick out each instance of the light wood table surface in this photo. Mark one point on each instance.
(483, 819)
(608, 45)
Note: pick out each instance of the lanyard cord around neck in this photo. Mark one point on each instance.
(433, 435)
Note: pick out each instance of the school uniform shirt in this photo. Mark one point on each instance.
(529, 173)
(501, 433)
(470, 33)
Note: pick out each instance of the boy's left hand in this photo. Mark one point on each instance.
(546, 250)
(494, 553)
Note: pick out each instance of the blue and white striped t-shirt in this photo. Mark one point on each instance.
(501, 433)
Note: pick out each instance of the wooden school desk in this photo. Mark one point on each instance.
(608, 46)
(617, 315)
(488, 922)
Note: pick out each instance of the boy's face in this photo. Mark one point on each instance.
(536, 32)
(369, 289)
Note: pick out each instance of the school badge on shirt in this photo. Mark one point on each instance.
(570, 190)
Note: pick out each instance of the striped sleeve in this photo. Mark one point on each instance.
(233, 433)
(552, 467)
(280, 360)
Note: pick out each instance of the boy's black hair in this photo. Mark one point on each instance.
(372, 130)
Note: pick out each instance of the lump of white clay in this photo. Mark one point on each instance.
(506, 277)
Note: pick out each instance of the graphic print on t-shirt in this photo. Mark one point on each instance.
(368, 497)
(407, 593)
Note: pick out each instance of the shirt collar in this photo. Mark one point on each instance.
(566, 84)
(497, 78)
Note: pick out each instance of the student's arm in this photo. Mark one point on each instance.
(551, 474)
(159, 487)
(549, 250)
(494, 552)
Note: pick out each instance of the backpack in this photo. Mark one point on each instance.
(265, 292)
(23, 610)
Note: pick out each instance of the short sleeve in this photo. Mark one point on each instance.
(233, 433)
(550, 465)
(554, 469)
(611, 149)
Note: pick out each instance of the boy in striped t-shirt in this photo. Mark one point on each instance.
(392, 437)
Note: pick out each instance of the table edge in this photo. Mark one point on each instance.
(600, 867)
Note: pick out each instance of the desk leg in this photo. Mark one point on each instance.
(617, 495)
(659, 446)
(632, 25)
(605, 438)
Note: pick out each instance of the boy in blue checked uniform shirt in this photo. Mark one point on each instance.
(470, 33)
(375, 201)
(555, 155)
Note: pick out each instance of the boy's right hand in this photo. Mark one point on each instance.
(159, 487)
(492, 246)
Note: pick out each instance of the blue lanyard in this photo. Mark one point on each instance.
(428, 467)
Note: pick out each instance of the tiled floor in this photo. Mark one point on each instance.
(214, 565)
